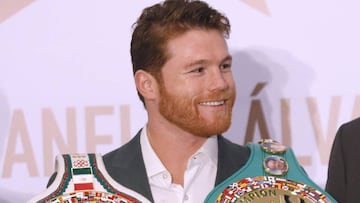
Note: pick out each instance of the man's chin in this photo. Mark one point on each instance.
(213, 131)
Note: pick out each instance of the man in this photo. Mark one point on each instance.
(275, 165)
(182, 70)
(344, 165)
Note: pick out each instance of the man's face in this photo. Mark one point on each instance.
(197, 89)
(276, 165)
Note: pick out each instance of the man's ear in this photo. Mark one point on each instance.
(146, 84)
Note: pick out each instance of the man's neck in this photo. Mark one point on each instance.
(174, 147)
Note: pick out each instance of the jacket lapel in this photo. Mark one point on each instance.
(231, 157)
(127, 167)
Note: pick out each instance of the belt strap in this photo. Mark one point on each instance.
(272, 174)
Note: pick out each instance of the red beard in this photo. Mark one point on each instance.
(184, 112)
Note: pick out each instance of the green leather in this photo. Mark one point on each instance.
(254, 167)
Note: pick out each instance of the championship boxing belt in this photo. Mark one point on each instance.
(271, 175)
(82, 178)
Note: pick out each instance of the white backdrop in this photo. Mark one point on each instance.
(66, 80)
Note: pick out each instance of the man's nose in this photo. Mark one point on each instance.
(218, 81)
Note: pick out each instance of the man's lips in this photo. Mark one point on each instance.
(213, 103)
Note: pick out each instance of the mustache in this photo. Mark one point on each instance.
(216, 96)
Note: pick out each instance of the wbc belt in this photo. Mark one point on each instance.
(82, 178)
(271, 175)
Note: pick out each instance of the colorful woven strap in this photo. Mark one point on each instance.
(83, 178)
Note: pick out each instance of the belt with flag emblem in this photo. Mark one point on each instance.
(82, 178)
(272, 174)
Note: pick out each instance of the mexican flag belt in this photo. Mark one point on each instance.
(82, 178)
(271, 175)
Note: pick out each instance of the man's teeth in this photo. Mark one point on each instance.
(213, 103)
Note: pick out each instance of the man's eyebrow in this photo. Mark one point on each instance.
(197, 62)
(203, 61)
(227, 58)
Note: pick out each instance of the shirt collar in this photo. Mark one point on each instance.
(210, 149)
(153, 164)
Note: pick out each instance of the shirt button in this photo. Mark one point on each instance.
(186, 197)
(165, 175)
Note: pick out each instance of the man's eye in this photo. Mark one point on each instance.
(198, 70)
(225, 66)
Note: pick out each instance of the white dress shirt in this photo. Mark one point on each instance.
(199, 177)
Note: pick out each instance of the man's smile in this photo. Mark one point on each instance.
(213, 103)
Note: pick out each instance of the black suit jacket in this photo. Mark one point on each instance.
(126, 165)
(344, 164)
